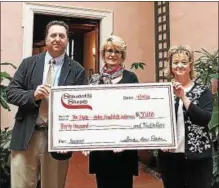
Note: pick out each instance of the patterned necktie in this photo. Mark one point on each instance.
(43, 111)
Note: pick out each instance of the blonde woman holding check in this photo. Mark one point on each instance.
(113, 169)
(190, 165)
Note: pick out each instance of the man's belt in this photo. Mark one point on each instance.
(41, 127)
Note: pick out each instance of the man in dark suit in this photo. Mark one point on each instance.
(29, 90)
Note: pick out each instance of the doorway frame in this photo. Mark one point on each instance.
(29, 9)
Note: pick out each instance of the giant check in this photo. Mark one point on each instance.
(104, 117)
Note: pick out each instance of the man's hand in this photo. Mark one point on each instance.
(42, 91)
(85, 153)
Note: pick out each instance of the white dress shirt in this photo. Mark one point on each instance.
(180, 126)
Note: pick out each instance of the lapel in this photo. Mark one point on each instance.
(66, 68)
(38, 70)
(176, 107)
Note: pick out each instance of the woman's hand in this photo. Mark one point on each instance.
(85, 153)
(63, 152)
(117, 150)
(178, 89)
(179, 92)
(167, 150)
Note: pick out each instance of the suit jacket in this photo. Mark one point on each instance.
(20, 92)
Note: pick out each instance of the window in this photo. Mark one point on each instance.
(162, 38)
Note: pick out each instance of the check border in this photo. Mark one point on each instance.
(167, 85)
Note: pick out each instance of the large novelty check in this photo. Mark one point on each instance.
(104, 117)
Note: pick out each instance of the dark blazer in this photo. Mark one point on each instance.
(110, 162)
(20, 92)
(198, 144)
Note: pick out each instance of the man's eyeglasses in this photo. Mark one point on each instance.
(111, 51)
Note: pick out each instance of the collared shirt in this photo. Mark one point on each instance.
(57, 67)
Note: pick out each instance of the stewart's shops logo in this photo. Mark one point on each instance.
(71, 101)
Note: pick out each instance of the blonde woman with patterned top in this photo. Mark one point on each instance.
(190, 165)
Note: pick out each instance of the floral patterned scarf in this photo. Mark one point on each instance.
(106, 75)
